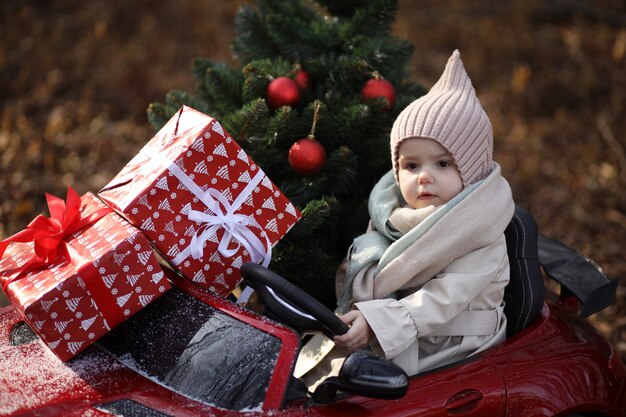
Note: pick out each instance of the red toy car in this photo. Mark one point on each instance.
(191, 353)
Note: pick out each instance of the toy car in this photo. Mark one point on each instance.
(191, 353)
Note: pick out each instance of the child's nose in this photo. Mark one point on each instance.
(424, 177)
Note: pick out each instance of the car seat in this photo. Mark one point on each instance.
(525, 292)
(531, 253)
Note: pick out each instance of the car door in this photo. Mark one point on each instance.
(472, 388)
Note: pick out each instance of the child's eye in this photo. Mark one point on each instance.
(444, 164)
(410, 166)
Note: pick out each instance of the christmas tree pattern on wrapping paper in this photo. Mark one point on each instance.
(86, 324)
(158, 277)
(127, 258)
(245, 177)
(218, 146)
(63, 311)
(199, 147)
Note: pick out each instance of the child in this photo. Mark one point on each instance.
(425, 285)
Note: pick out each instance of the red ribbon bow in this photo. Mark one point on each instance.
(49, 233)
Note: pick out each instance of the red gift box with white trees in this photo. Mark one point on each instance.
(78, 274)
(202, 201)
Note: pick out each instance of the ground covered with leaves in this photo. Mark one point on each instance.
(77, 78)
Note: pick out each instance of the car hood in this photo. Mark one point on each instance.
(33, 378)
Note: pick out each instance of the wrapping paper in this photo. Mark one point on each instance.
(202, 201)
(97, 276)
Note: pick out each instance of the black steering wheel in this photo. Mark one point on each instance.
(289, 304)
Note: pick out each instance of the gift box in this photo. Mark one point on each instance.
(202, 201)
(78, 274)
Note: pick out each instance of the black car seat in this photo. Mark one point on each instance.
(525, 293)
(531, 253)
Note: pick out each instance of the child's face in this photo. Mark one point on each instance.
(427, 174)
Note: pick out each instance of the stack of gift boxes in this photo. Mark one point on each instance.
(191, 196)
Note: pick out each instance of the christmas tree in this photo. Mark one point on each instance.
(318, 88)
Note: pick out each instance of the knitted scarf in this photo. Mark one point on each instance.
(474, 218)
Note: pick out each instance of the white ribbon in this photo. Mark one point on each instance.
(222, 215)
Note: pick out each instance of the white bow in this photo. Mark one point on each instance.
(221, 215)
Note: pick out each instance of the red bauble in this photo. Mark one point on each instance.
(282, 91)
(303, 80)
(307, 156)
(377, 87)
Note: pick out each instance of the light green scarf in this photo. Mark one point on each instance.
(473, 218)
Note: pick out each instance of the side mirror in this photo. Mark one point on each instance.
(367, 375)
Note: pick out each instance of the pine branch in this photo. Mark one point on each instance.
(372, 20)
(280, 128)
(219, 86)
(314, 215)
(292, 35)
(253, 41)
(387, 57)
(157, 115)
(344, 8)
(250, 120)
(341, 168)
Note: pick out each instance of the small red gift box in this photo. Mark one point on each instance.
(202, 201)
(79, 274)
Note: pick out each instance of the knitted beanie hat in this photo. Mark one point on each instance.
(452, 115)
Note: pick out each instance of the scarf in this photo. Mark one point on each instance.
(381, 262)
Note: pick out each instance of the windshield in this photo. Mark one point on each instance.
(197, 350)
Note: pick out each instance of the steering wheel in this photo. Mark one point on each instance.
(289, 304)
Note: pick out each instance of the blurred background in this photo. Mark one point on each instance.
(76, 79)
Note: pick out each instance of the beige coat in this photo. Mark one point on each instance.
(453, 315)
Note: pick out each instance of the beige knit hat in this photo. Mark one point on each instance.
(452, 115)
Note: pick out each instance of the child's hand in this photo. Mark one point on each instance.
(358, 336)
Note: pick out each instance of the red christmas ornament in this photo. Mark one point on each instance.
(378, 87)
(282, 91)
(307, 156)
(303, 80)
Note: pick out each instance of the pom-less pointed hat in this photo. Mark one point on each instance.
(452, 115)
